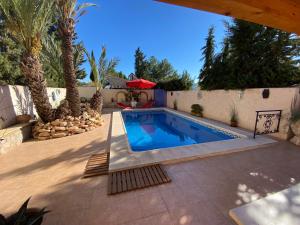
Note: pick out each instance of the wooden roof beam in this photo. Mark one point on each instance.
(281, 14)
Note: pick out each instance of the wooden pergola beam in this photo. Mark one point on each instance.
(281, 14)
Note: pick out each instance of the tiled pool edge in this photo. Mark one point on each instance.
(121, 156)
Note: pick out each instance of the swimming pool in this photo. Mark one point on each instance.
(158, 129)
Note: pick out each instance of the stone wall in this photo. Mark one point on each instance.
(218, 104)
(14, 136)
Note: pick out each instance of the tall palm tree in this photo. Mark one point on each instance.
(99, 73)
(28, 21)
(52, 60)
(68, 14)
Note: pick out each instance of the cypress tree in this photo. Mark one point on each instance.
(253, 56)
(140, 64)
(207, 55)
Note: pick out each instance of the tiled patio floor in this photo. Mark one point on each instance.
(202, 191)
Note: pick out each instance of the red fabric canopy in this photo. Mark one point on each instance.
(140, 84)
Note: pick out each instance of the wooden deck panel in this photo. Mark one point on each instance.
(137, 178)
(97, 165)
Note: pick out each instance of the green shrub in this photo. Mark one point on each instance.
(233, 115)
(295, 111)
(176, 84)
(175, 104)
(197, 110)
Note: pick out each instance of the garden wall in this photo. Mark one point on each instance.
(16, 100)
(111, 96)
(218, 104)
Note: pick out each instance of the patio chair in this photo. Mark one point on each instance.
(148, 105)
(123, 106)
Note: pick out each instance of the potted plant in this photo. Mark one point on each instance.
(197, 110)
(233, 118)
(175, 104)
(24, 105)
(25, 216)
(24, 118)
(295, 121)
(135, 96)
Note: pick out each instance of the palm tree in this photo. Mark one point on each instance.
(53, 62)
(51, 57)
(28, 22)
(68, 14)
(99, 73)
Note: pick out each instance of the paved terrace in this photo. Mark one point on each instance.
(202, 191)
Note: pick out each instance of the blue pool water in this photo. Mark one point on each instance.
(149, 130)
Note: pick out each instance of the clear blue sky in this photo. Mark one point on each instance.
(159, 29)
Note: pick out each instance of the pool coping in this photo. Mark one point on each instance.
(122, 157)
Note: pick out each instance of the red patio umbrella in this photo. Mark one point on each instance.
(140, 84)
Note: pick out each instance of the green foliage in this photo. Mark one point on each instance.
(94, 74)
(186, 81)
(51, 57)
(221, 67)
(197, 110)
(208, 54)
(52, 60)
(140, 64)
(104, 68)
(79, 61)
(253, 56)
(233, 115)
(22, 25)
(161, 72)
(295, 111)
(70, 9)
(28, 21)
(24, 216)
(176, 83)
(152, 69)
(10, 53)
(118, 74)
(175, 105)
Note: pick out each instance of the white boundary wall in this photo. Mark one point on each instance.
(111, 96)
(218, 104)
(16, 100)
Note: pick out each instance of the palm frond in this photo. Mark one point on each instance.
(27, 20)
(70, 9)
(93, 65)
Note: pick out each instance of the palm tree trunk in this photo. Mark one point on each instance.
(72, 96)
(32, 70)
(97, 101)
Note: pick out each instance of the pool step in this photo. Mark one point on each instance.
(137, 178)
(97, 165)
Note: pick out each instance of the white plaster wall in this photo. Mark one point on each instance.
(118, 95)
(16, 100)
(219, 103)
(87, 92)
(111, 96)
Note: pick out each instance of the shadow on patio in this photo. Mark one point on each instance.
(202, 191)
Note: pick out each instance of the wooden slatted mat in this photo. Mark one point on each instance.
(97, 165)
(132, 179)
